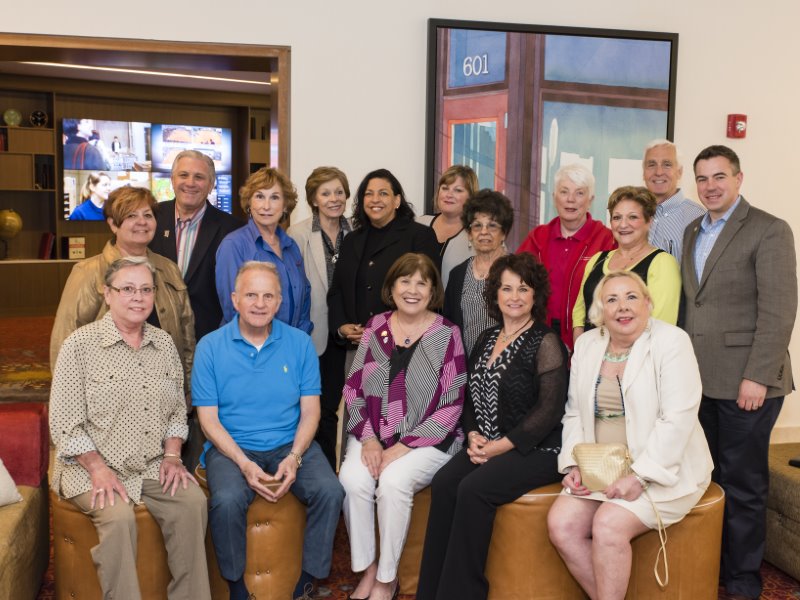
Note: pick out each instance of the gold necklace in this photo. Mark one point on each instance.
(633, 256)
(504, 337)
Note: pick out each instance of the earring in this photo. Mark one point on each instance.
(602, 331)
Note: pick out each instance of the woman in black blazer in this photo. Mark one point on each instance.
(383, 230)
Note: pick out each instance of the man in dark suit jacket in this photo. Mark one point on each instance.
(193, 178)
(204, 226)
(740, 283)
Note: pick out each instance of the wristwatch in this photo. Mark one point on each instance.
(298, 458)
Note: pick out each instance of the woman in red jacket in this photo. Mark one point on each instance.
(565, 244)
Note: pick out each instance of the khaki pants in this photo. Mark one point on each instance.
(182, 519)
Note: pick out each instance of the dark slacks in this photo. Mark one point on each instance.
(465, 498)
(739, 444)
(331, 367)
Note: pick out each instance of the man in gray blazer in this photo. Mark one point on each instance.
(740, 283)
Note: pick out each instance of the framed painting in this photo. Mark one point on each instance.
(517, 102)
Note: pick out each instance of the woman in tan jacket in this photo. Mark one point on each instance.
(129, 212)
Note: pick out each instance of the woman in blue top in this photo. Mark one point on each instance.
(94, 194)
(267, 196)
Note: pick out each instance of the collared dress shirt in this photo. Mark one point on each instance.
(707, 237)
(186, 235)
(246, 244)
(670, 221)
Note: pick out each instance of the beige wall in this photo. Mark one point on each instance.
(358, 76)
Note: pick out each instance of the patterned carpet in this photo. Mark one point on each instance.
(24, 358)
(25, 375)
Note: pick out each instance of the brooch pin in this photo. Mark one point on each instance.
(166, 233)
(385, 336)
(285, 369)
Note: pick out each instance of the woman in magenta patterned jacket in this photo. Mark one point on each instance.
(404, 395)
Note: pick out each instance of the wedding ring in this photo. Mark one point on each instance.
(568, 491)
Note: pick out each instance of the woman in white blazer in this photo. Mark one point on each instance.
(634, 380)
(320, 239)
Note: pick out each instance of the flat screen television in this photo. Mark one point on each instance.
(101, 156)
(169, 140)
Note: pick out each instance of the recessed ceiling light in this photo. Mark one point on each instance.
(141, 72)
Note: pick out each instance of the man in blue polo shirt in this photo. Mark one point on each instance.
(256, 387)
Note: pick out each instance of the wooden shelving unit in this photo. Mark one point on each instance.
(28, 171)
(258, 150)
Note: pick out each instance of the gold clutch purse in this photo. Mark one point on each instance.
(601, 464)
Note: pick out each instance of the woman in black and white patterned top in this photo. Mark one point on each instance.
(487, 218)
(516, 394)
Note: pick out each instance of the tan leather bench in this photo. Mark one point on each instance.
(274, 551)
(523, 564)
(74, 536)
(274, 547)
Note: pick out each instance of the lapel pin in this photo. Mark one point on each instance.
(166, 233)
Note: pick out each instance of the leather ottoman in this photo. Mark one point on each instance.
(523, 564)
(24, 529)
(74, 536)
(274, 547)
(783, 510)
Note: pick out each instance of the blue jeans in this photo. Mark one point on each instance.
(316, 486)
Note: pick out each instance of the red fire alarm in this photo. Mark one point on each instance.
(737, 126)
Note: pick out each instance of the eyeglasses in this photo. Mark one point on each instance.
(491, 227)
(128, 291)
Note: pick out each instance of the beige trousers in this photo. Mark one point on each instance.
(182, 518)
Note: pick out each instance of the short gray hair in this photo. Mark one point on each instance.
(126, 262)
(596, 309)
(196, 154)
(577, 174)
(663, 142)
(257, 265)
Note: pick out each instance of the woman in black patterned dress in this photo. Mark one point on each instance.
(516, 394)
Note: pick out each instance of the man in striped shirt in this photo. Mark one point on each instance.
(662, 175)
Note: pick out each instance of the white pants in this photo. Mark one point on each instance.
(393, 494)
